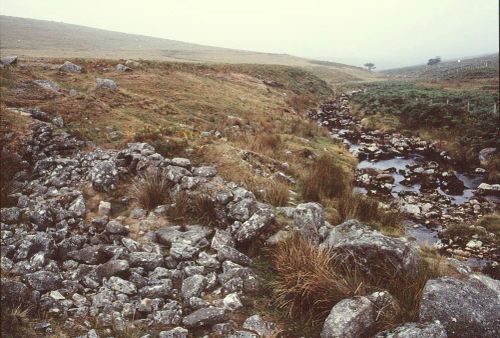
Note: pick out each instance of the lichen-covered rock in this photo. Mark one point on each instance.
(10, 60)
(415, 330)
(468, 307)
(170, 314)
(120, 285)
(13, 293)
(350, 318)
(10, 215)
(205, 171)
(104, 175)
(147, 260)
(205, 317)
(43, 281)
(373, 251)
(114, 227)
(106, 84)
(252, 227)
(93, 254)
(177, 332)
(193, 286)
(227, 253)
(46, 84)
(257, 324)
(307, 219)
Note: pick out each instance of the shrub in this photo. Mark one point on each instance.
(152, 189)
(277, 194)
(325, 178)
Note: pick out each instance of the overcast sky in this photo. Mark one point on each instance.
(387, 32)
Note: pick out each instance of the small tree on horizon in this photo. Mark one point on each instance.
(369, 66)
(434, 61)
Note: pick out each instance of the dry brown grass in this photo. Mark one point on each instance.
(300, 103)
(266, 143)
(199, 208)
(277, 194)
(325, 179)
(152, 189)
(311, 280)
(365, 209)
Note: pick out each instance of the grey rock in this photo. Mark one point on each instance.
(120, 285)
(193, 286)
(13, 293)
(58, 121)
(466, 307)
(114, 227)
(175, 173)
(205, 171)
(257, 324)
(46, 84)
(122, 68)
(222, 238)
(232, 302)
(94, 254)
(162, 290)
(104, 175)
(106, 84)
(486, 154)
(183, 251)
(205, 317)
(227, 253)
(10, 215)
(308, 218)
(148, 261)
(415, 330)
(10, 60)
(43, 281)
(350, 318)
(373, 251)
(138, 213)
(70, 67)
(252, 227)
(242, 334)
(178, 332)
(181, 162)
(78, 206)
(104, 208)
(243, 209)
(117, 267)
(43, 218)
(170, 314)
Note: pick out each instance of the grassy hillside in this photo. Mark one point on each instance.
(170, 105)
(485, 67)
(38, 38)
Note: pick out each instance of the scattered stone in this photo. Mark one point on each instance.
(257, 324)
(120, 285)
(106, 84)
(205, 317)
(415, 330)
(104, 208)
(70, 67)
(122, 68)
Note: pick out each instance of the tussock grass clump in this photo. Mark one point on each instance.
(325, 179)
(198, 208)
(360, 207)
(277, 194)
(152, 189)
(310, 281)
(266, 143)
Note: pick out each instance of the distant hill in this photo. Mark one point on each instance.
(40, 38)
(480, 67)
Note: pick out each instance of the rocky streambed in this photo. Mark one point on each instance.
(413, 175)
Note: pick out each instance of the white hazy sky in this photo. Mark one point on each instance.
(387, 32)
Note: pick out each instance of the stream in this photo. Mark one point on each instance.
(413, 175)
